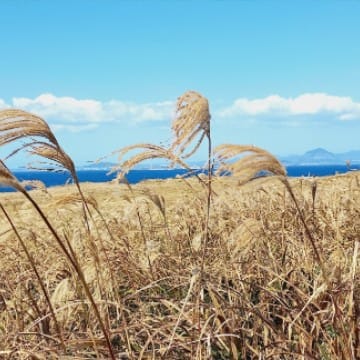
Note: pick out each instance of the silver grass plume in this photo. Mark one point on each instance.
(18, 124)
(192, 121)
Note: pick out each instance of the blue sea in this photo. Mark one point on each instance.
(135, 176)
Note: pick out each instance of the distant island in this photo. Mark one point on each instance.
(317, 156)
(321, 156)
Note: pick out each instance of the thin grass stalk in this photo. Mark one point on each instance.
(144, 242)
(34, 268)
(193, 279)
(42, 320)
(91, 298)
(207, 223)
(208, 204)
(206, 132)
(307, 230)
(85, 206)
(313, 195)
(97, 210)
(71, 256)
(143, 236)
(354, 306)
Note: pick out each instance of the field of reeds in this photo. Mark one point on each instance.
(208, 267)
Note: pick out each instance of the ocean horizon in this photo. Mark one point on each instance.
(135, 176)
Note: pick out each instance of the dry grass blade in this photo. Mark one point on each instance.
(192, 120)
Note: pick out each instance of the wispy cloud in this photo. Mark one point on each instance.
(73, 128)
(68, 113)
(343, 108)
(76, 115)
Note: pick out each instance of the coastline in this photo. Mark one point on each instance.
(53, 179)
(172, 186)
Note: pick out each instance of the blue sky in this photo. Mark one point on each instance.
(283, 75)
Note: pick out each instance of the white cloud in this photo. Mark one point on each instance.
(73, 128)
(61, 108)
(348, 116)
(75, 115)
(116, 109)
(71, 111)
(343, 108)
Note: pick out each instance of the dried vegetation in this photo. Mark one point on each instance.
(210, 267)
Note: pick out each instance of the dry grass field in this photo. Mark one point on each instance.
(204, 268)
(262, 294)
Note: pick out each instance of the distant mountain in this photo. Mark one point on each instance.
(321, 156)
(96, 166)
(146, 165)
(318, 156)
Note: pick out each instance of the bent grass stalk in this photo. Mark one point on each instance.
(34, 268)
(7, 178)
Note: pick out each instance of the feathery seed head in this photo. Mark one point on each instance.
(150, 151)
(192, 119)
(18, 124)
(247, 162)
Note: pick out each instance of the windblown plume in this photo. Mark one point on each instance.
(248, 161)
(40, 141)
(252, 161)
(192, 120)
(18, 124)
(56, 156)
(149, 152)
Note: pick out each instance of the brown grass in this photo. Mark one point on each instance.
(132, 277)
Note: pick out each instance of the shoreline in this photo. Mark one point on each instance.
(178, 184)
(56, 179)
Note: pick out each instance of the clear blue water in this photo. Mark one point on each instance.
(135, 176)
(318, 170)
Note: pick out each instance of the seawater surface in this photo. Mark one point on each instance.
(135, 176)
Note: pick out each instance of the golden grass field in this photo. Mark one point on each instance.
(262, 294)
(211, 267)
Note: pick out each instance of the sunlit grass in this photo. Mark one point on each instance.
(210, 267)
